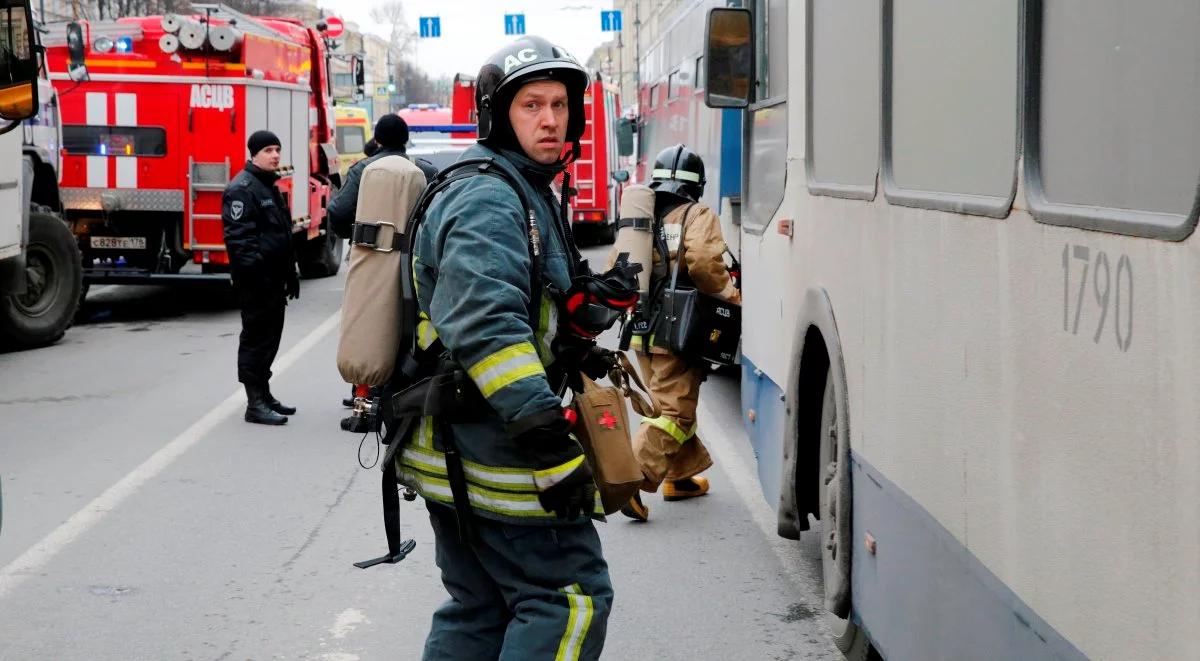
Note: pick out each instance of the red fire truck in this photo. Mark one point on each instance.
(594, 207)
(156, 111)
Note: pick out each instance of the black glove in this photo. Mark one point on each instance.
(576, 355)
(292, 285)
(565, 485)
(598, 362)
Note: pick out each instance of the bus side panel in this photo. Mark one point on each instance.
(965, 611)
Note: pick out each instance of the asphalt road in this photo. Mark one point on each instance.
(143, 519)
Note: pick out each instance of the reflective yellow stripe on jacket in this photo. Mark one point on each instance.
(548, 477)
(505, 367)
(426, 334)
(508, 491)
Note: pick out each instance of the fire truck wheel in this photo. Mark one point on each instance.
(322, 257)
(606, 234)
(54, 279)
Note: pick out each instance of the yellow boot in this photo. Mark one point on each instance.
(691, 487)
(635, 510)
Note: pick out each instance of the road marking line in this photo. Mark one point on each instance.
(37, 556)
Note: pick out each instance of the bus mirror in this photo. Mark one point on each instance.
(76, 68)
(621, 176)
(625, 137)
(18, 101)
(728, 58)
(18, 62)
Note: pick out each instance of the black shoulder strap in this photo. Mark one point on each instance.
(679, 252)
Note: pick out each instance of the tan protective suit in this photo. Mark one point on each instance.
(668, 447)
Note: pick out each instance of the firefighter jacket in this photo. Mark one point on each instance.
(703, 257)
(471, 267)
(257, 224)
(343, 208)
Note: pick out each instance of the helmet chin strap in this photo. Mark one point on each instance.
(572, 155)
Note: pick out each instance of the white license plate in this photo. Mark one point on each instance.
(119, 242)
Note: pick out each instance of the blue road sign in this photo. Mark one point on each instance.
(430, 27)
(610, 21)
(514, 24)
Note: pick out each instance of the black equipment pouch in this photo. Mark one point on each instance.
(695, 325)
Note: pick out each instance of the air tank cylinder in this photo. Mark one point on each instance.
(636, 235)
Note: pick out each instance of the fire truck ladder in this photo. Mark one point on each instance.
(204, 178)
(241, 21)
(588, 148)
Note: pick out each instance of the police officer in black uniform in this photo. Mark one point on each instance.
(258, 235)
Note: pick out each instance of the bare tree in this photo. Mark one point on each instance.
(391, 14)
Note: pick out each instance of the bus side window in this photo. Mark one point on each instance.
(770, 27)
(1112, 141)
(950, 105)
(843, 84)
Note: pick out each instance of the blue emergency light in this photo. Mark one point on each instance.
(125, 44)
(441, 128)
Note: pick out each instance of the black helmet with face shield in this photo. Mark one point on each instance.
(523, 61)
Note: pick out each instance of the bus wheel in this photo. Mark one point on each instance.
(54, 278)
(834, 488)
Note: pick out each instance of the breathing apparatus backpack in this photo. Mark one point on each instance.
(371, 306)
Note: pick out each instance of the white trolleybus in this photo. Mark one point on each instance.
(972, 304)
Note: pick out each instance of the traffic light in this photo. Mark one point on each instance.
(360, 81)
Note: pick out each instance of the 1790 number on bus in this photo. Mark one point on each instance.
(1108, 292)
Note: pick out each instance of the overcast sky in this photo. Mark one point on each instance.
(474, 29)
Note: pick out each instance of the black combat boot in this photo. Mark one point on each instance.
(277, 406)
(257, 409)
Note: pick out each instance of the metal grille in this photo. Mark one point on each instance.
(210, 173)
(92, 199)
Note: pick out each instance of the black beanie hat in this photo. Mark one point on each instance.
(391, 132)
(260, 140)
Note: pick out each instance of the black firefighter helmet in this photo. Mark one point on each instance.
(525, 60)
(680, 171)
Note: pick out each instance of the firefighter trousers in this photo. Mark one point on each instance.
(667, 447)
(520, 592)
(262, 302)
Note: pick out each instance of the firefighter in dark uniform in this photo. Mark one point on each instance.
(258, 235)
(531, 582)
